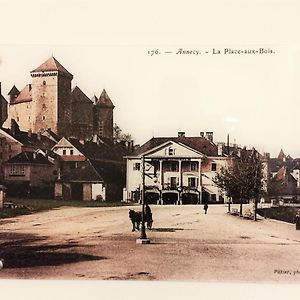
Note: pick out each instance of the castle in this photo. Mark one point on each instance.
(50, 103)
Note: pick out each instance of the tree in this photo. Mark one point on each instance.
(243, 178)
(119, 136)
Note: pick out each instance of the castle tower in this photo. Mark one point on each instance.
(82, 115)
(51, 97)
(103, 116)
(3, 107)
(13, 93)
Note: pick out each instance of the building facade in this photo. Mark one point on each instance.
(178, 170)
(90, 170)
(48, 102)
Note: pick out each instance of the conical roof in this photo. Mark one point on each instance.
(51, 64)
(95, 99)
(13, 91)
(79, 96)
(104, 100)
(24, 96)
(281, 155)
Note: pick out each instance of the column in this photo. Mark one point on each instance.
(161, 180)
(180, 181)
(180, 174)
(199, 181)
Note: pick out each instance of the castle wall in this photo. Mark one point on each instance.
(103, 121)
(22, 113)
(45, 98)
(82, 120)
(64, 106)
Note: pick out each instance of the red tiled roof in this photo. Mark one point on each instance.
(200, 144)
(85, 172)
(52, 64)
(24, 96)
(29, 158)
(73, 158)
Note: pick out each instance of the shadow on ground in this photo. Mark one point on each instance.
(172, 229)
(20, 253)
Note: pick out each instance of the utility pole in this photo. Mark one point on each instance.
(143, 238)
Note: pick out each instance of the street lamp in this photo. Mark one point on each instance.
(143, 238)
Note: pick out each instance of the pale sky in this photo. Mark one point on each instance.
(104, 44)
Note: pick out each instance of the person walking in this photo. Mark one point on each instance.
(148, 216)
(205, 207)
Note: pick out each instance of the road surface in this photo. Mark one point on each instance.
(186, 245)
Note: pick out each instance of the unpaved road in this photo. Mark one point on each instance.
(186, 245)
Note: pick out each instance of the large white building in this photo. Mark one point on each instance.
(177, 170)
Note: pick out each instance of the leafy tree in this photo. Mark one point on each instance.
(243, 178)
(119, 136)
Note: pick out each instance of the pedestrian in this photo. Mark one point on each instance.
(148, 216)
(205, 207)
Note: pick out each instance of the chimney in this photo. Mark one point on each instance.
(202, 134)
(181, 134)
(131, 146)
(267, 155)
(39, 136)
(220, 149)
(209, 136)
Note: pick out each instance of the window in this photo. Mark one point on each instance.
(136, 166)
(64, 152)
(194, 166)
(192, 181)
(17, 170)
(71, 152)
(18, 119)
(174, 166)
(44, 105)
(213, 197)
(173, 181)
(214, 167)
(170, 151)
(44, 82)
(101, 128)
(44, 118)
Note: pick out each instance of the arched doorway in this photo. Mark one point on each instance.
(170, 197)
(190, 198)
(151, 197)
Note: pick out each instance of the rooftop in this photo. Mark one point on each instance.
(51, 64)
